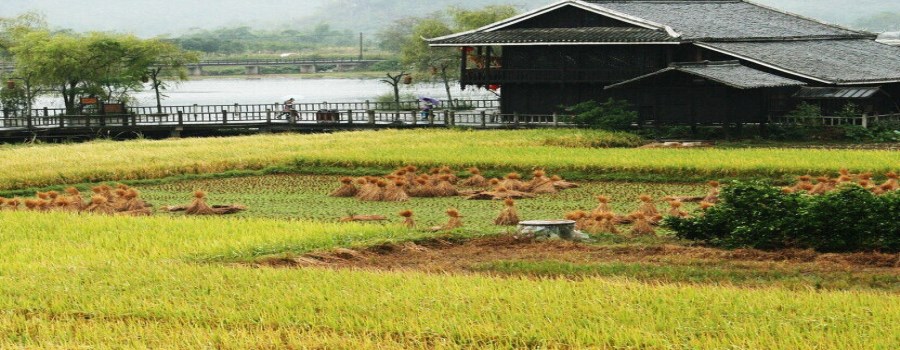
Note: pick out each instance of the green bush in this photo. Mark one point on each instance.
(613, 114)
(760, 216)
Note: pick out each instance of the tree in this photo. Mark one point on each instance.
(12, 30)
(394, 81)
(423, 59)
(441, 61)
(166, 61)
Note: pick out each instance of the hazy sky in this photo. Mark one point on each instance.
(155, 17)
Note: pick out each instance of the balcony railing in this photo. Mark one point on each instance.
(501, 75)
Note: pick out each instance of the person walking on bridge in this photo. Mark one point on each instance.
(290, 111)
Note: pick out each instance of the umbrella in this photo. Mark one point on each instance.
(430, 100)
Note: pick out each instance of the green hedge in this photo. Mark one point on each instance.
(760, 216)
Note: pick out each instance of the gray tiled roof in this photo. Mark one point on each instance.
(559, 36)
(729, 73)
(830, 61)
(836, 92)
(725, 19)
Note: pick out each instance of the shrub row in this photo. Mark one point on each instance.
(760, 216)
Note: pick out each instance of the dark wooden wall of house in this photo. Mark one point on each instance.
(678, 98)
(570, 17)
(546, 99)
(612, 57)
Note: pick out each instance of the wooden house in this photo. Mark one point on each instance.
(679, 61)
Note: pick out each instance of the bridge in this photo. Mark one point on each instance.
(252, 66)
(49, 123)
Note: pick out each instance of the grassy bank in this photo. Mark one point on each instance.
(555, 150)
(85, 281)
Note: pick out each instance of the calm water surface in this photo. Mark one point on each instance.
(277, 89)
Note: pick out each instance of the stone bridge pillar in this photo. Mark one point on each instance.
(252, 70)
(307, 68)
(195, 71)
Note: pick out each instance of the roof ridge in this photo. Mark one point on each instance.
(705, 64)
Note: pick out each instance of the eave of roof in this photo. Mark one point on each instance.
(561, 36)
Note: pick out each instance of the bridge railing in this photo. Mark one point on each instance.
(257, 116)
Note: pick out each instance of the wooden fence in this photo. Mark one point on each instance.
(864, 121)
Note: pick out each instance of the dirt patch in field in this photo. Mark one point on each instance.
(451, 255)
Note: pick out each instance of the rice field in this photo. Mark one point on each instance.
(80, 281)
(305, 197)
(174, 281)
(556, 150)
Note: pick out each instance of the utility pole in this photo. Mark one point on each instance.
(360, 46)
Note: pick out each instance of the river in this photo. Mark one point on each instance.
(218, 91)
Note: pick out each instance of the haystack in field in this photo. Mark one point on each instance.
(892, 183)
(561, 184)
(445, 187)
(408, 220)
(513, 181)
(642, 226)
(648, 207)
(603, 205)
(422, 189)
(713, 196)
(580, 217)
(346, 190)
(10, 204)
(607, 224)
(541, 184)
(826, 185)
(509, 216)
(454, 222)
(804, 183)
(476, 179)
(675, 209)
(395, 192)
(452, 178)
(198, 206)
(75, 198)
(706, 205)
(133, 203)
(100, 205)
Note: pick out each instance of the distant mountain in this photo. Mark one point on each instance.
(370, 15)
(148, 18)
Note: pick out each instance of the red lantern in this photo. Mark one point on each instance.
(468, 49)
(11, 84)
(493, 87)
(407, 79)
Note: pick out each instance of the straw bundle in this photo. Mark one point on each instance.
(509, 216)
(10, 204)
(395, 192)
(452, 178)
(513, 181)
(132, 201)
(823, 186)
(363, 218)
(454, 222)
(408, 220)
(346, 190)
(675, 209)
(642, 226)
(892, 183)
(541, 184)
(369, 191)
(100, 205)
(421, 189)
(706, 205)
(603, 206)
(476, 179)
(580, 218)
(445, 187)
(648, 208)
(607, 224)
(198, 206)
(75, 198)
(559, 183)
(713, 196)
(802, 183)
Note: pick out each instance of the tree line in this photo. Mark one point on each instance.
(106, 66)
